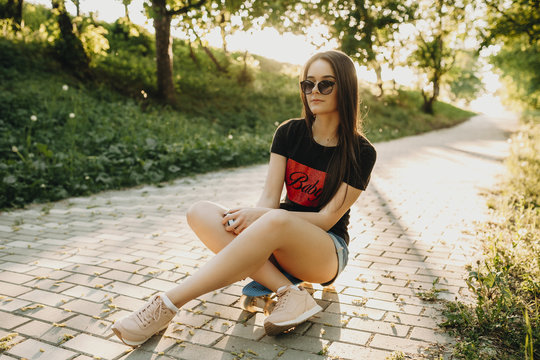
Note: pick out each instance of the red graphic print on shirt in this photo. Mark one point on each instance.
(304, 184)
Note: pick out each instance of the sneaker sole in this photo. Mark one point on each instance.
(133, 344)
(272, 329)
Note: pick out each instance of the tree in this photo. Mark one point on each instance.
(515, 26)
(198, 24)
(162, 12)
(12, 9)
(365, 27)
(463, 80)
(441, 32)
(511, 20)
(126, 4)
(77, 4)
(68, 46)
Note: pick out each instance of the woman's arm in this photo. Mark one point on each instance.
(270, 197)
(273, 185)
(329, 215)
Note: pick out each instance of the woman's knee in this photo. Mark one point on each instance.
(201, 211)
(276, 219)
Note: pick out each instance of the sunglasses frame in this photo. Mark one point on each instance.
(316, 85)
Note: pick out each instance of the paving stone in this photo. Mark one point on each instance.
(129, 290)
(382, 327)
(291, 354)
(44, 331)
(94, 346)
(192, 351)
(10, 304)
(14, 278)
(89, 324)
(12, 289)
(353, 352)
(248, 347)
(430, 335)
(32, 349)
(332, 333)
(10, 321)
(393, 343)
(45, 297)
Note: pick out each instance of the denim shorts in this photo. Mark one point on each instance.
(342, 252)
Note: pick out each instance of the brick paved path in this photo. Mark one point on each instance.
(68, 270)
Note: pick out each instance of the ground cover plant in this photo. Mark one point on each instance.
(65, 135)
(505, 321)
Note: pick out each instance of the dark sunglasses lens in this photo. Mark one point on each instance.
(325, 87)
(307, 86)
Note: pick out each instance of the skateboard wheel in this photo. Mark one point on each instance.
(256, 303)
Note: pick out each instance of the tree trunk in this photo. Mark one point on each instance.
(69, 47)
(378, 72)
(192, 54)
(222, 25)
(127, 11)
(18, 12)
(164, 56)
(427, 107)
(13, 10)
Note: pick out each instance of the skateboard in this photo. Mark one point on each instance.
(257, 297)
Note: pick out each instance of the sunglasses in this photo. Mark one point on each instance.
(325, 86)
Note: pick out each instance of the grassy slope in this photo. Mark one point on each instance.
(104, 134)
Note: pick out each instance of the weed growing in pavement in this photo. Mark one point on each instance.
(505, 321)
(431, 295)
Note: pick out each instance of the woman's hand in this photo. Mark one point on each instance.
(242, 218)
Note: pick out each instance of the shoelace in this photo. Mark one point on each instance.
(282, 298)
(148, 314)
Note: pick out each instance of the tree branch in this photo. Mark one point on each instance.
(186, 8)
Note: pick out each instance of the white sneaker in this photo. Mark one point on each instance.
(142, 324)
(294, 306)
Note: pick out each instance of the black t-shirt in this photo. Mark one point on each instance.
(307, 164)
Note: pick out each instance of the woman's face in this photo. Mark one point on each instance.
(318, 103)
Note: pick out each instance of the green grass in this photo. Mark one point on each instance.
(109, 131)
(505, 321)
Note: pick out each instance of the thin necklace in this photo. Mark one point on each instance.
(328, 139)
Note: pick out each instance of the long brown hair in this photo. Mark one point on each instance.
(349, 125)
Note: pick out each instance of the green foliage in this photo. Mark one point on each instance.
(505, 322)
(516, 27)
(519, 63)
(508, 20)
(462, 77)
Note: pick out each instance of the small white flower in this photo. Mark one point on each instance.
(71, 115)
(14, 149)
(230, 137)
(87, 177)
(43, 185)
(276, 123)
(65, 87)
(33, 118)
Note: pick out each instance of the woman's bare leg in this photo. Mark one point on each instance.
(302, 248)
(204, 218)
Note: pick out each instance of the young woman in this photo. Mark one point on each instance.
(325, 164)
